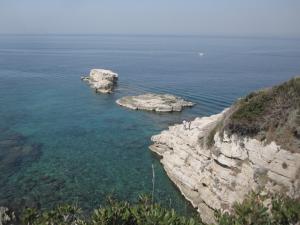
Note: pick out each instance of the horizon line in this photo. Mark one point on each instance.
(155, 35)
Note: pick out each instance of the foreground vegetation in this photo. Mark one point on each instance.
(254, 210)
(259, 210)
(114, 213)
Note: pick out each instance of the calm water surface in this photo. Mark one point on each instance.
(61, 142)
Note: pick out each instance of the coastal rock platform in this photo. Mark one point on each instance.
(154, 102)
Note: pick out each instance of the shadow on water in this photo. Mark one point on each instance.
(16, 152)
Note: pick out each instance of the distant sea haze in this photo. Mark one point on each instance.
(81, 146)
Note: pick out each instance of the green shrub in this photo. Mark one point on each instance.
(252, 211)
(252, 106)
(61, 215)
(114, 213)
(271, 114)
(284, 211)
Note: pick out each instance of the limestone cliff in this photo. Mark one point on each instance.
(252, 146)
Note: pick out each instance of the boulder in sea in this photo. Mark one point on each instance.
(154, 102)
(101, 80)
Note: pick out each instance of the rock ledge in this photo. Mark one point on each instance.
(154, 102)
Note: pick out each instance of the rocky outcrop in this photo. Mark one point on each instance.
(154, 102)
(101, 80)
(214, 177)
(7, 217)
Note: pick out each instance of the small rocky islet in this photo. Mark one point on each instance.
(104, 81)
(154, 102)
(101, 80)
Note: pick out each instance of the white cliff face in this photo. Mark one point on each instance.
(102, 80)
(154, 102)
(216, 177)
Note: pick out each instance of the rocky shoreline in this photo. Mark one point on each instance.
(213, 178)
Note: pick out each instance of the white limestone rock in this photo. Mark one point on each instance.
(216, 177)
(101, 80)
(7, 217)
(154, 102)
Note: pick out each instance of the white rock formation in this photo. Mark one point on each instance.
(7, 216)
(101, 80)
(216, 177)
(154, 102)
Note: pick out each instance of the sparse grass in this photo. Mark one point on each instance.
(210, 138)
(210, 141)
(272, 114)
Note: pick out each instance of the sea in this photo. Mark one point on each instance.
(60, 142)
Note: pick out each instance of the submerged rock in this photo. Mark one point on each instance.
(16, 151)
(154, 102)
(101, 80)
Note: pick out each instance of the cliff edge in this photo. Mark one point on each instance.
(252, 146)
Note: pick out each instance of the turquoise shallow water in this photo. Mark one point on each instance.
(61, 142)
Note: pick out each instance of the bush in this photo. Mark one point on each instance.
(62, 215)
(271, 115)
(115, 213)
(252, 211)
(284, 211)
(252, 106)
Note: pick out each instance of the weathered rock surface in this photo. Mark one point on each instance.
(101, 80)
(7, 217)
(215, 177)
(154, 102)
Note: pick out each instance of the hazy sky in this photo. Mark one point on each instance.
(200, 17)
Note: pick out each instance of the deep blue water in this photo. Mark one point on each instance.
(61, 142)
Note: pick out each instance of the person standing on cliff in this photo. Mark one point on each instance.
(187, 125)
